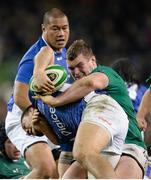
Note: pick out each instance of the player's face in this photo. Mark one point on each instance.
(56, 33)
(11, 150)
(81, 66)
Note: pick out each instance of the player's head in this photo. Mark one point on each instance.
(7, 148)
(81, 59)
(126, 69)
(55, 29)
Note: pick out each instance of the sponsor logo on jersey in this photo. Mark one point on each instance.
(59, 124)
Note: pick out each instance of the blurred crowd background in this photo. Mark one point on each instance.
(114, 28)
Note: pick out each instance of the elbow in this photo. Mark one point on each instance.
(90, 84)
(16, 100)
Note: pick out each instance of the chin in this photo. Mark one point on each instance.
(16, 158)
(60, 46)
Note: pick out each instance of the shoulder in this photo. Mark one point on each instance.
(46, 49)
(33, 50)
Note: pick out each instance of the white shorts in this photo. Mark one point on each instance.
(138, 153)
(104, 111)
(16, 133)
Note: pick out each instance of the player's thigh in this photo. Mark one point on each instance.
(128, 168)
(138, 153)
(39, 155)
(91, 135)
(103, 121)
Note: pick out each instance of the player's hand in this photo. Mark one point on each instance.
(35, 116)
(27, 122)
(142, 123)
(36, 123)
(43, 83)
(48, 99)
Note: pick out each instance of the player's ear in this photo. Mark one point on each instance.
(43, 27)
(93, 58)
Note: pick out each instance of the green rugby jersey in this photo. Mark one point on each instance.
(12, 169)
(118, 91)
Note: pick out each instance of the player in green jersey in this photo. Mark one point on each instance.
(12, 165)
(90, 76)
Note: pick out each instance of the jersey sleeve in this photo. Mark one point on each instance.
(25, 72)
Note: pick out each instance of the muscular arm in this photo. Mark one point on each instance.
(145, 106)
(78, 90)
(144, 109)
(44, 58)
(82, 87)
(21, 98)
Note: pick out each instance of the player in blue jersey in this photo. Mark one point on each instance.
(55, 34)
(65, 120)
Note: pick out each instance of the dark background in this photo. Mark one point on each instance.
(114, 28)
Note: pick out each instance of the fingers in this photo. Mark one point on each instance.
(43, 83)
(29, 131)
(35, 116)
(45, 88)
(142, 124)
(36, 97)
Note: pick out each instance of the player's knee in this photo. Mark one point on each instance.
(79, 155)
(83, 156)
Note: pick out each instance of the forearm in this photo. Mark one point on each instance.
(145, 106)
(21, 102)
(21, 98)
(78, 90)
(44, 58)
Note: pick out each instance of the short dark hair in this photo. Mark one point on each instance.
(3, 136)
(54, 12)
(126, 69)
(79, 47)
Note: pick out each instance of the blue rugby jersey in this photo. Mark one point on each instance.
(136, 93)
(64, 121)
(26, 65)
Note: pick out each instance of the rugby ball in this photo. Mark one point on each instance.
(57, 74)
